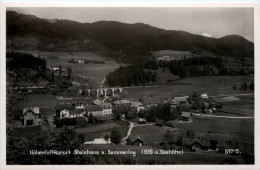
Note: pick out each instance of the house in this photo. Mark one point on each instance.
(206, 104)
(204, 96)
(122, 102)
(137, 105)
(141, 120)
(107, 109)
(196, 145)
(31, 116)
(81, 61)
(95, 110)
(68, 111)
(159, 122)
(134, 139)
(186, 116)
(76, 113)
(99, 141)
(150, 101)
(181, 100)
(208, 111)
(79, 103)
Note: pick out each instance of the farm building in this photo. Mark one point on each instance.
(134, 139)
(95, 110)
(186, 116)
(196, 145)
(181, 100)
(31, 116)
(159, 122)
(36, 109)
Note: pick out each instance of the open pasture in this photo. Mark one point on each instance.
(212, 85)
(95, 72)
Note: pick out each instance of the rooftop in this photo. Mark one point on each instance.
(186, 114)
(94, 108)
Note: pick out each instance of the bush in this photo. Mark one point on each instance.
(81, 122)
(67, 122)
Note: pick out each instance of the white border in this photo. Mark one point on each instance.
(4, 5)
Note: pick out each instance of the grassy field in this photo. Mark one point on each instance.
(100, 130)
(241, 130)
(95, 72)
(213, 85)
(220, 129)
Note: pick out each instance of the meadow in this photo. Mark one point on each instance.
(212, 85)
(100, 130)
(94, 72)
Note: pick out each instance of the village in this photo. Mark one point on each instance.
(81, 107)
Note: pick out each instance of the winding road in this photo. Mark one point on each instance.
(131, 126)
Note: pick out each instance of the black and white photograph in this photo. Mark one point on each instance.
(130, 85)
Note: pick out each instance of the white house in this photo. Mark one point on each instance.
(107, 108)
(204, 96)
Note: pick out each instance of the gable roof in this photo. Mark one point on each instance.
(35, 110)
(97, 102)
(186, 114)
(202, 141)
(94, 108)
(64, 106)
(37, 100)
(133, 137)
(75, 112)
(181, 99)
(47, 111)
(106, 105)
(160, 121)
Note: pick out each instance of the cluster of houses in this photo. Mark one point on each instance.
(36, 109)
(44, 109)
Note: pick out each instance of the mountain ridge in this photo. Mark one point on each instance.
(130, 39)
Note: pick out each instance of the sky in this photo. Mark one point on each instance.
(210, 21)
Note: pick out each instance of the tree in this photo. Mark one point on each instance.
(91, 118)
(190, 134)
(65, 139)
(106, 137)
(69, 71)
(194, 95)
(115, 136)
(245, 86)
(52, 76)
(60, 71)
(168, 136)
(251, 86)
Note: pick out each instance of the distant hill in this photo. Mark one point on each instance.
(114, 37)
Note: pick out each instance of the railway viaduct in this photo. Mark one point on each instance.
(102, 91)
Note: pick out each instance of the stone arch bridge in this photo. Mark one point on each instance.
(101, 92)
